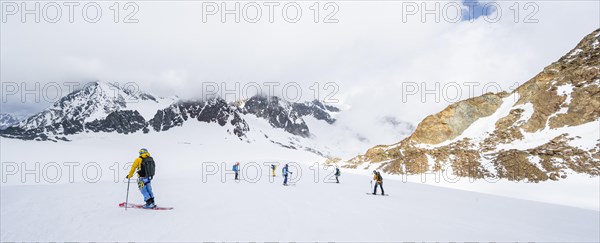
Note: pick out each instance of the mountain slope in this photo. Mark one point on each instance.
(104, 107)
(547, 128)
(98, 106)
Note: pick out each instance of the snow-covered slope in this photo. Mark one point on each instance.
(256, 209)
(264, 211)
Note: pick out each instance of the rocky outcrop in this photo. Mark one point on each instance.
(212, 111)
(453, 120)
(316, 109)
(566, 94)
(572, 84)
(124, 122)
(102, 107)
(279, 113)
(551, 160)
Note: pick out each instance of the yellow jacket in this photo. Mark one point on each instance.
(137, 164)
(376, 178)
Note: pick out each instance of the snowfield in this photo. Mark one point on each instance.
(192, 162)
(264, 211)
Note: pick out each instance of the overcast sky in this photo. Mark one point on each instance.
(371, 54)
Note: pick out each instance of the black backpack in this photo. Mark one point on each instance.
(337, 171)
(379, 178)
(147, 168)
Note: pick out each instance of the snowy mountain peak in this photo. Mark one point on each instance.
(96, 100)
(107, 107)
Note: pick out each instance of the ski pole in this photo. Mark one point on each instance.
(371, 188)
(127, 197)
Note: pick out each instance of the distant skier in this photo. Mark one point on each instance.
(285, 172)
(378, 181)
(144, 165)
(337, 174)
(236, 169)
(273, 167)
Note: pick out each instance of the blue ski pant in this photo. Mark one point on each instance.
(146, 190)
(285, 179)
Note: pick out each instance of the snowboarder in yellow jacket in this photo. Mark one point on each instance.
(144, 165)
(378, 182)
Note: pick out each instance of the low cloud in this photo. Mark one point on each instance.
(370, 54)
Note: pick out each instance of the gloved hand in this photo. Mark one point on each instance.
(127, 177)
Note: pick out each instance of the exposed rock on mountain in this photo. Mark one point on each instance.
(103, 107)
(547, 128)
(452, 121)
(279, 113)
(316, 109)
(215, 110)
(97, 107)
(118, 121)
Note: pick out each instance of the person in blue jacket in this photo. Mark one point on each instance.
(285, 172)
(236, 169)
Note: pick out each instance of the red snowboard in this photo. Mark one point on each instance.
(140, 206)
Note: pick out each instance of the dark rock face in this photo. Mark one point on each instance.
(316, 109)
(69, 127)
(280, 114)
(64, 127)
(119, 121)
(33, 134)
(166, 119)
(216, 110)
(240, 126)
(17, 132)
